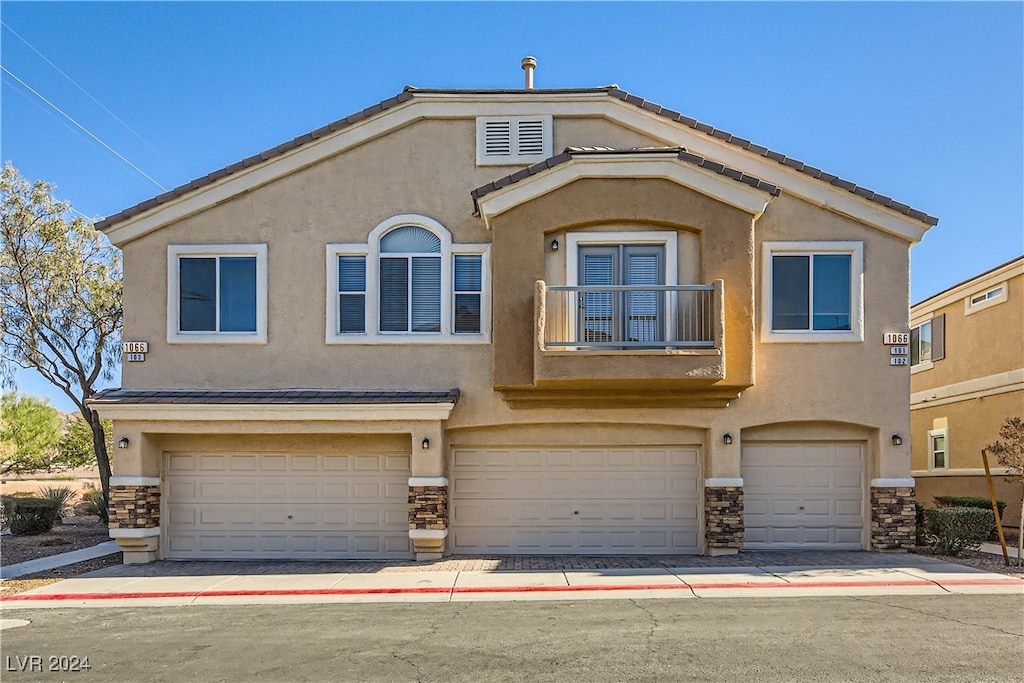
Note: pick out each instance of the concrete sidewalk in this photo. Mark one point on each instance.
(45, 564)
(463, 579)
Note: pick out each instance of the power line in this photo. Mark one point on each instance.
(89, 95)
(83, 128)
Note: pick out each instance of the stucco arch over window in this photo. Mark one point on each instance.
(408, 284)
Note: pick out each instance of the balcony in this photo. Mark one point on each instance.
(669, 337)
(630, 317)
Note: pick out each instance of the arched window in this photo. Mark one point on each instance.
(410, 280)
(407, 284)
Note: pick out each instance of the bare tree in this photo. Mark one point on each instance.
(60, 298)
(1009, 452)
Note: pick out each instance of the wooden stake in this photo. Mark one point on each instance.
(995, 508)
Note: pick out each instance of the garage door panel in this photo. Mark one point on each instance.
(803, 495)
(273, 463)
(286, 506)
(587, 500)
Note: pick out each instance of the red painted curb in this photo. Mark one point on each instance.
(506, 589)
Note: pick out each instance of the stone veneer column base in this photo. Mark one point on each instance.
(723, 519)
(134, 517)
(428, 516)
(892, 518)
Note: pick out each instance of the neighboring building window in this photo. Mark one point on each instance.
(987, 299)
(216, 293)
(813, 291)
(408, 284)
(921, 343)
(513, 139)
(938, 449)
(928, 343)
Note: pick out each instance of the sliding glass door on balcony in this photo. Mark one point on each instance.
(621, 302)
(615, 304)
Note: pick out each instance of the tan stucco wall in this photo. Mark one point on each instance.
(521, 236)
(980, 344)
(972, 424)
(428, 168)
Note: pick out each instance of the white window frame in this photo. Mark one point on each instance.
(371, 251)
(924, 364)
(987, 298)
(932, 433)
(175, 252)
(856, 252)
(514, 157)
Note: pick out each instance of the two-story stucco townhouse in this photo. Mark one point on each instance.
(512, 322)
(967, 377)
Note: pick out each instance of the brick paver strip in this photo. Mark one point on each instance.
(517, 563)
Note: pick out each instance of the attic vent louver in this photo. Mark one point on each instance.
(513, 139)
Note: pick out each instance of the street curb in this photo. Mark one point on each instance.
(59, 597)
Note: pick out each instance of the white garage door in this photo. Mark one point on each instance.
(803, 495)
(277, 506)
(600, 501)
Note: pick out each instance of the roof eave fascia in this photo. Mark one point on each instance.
(959, 292)
(615, 166)
(420, 106)
(263, 412)
(790, 181)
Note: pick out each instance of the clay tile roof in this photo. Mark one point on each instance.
(409, 92)
(271, 396)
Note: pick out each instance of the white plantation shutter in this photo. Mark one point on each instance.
(513, 139)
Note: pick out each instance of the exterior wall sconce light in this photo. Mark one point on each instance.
(123, 443)
(554, 245)
(727, 439)
(425, 443)
(897, 440)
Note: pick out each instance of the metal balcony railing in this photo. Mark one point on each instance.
(630, 317)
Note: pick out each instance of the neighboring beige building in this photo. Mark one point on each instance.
(512, 322)
(967, 377)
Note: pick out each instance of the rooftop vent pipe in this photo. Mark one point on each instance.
(529, 64)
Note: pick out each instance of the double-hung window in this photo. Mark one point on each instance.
(812, 291)
(921, 343)
(217, 293)
(938, 449)
(407, 284)
(927, 343)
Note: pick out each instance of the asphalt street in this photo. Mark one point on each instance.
(883, 638)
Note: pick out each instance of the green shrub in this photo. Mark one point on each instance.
(969, 502)
(29, 516)
(63, 495)
(955, 529)
(920, 531)
(95, 505)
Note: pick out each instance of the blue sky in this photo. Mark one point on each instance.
(923, 102)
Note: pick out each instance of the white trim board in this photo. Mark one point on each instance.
(213, 412)
(711, 184)
(979, 387)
